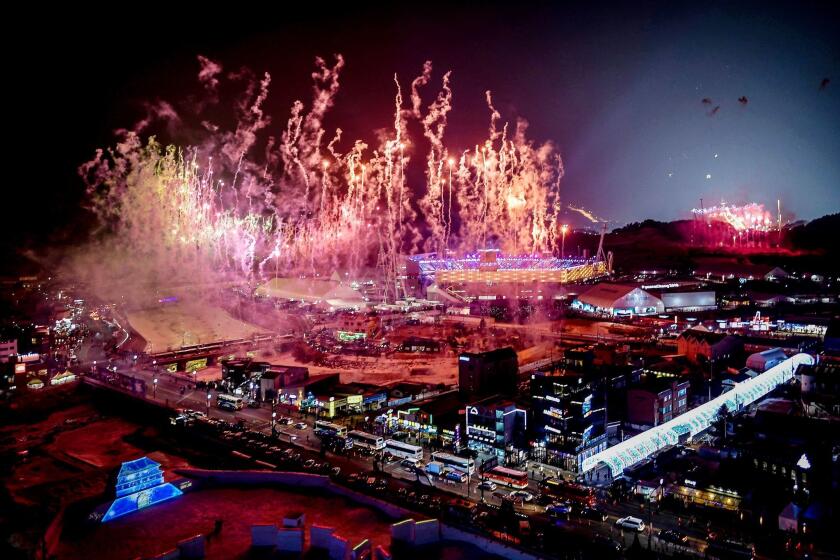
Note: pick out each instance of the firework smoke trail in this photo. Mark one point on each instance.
(434, 125)
(170, 214)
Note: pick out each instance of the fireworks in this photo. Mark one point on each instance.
(311, 206)
(750, 217)
(747, 225)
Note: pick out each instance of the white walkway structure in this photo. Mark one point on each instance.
(637, 448)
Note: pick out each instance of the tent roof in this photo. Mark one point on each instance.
(604, 295)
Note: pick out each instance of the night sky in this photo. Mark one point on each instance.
(619, 89)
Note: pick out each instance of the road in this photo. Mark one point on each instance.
(167, 391)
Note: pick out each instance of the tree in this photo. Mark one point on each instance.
(720, 420)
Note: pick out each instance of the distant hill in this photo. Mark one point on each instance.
(651, 244)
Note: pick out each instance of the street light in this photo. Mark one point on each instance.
(563, 229)
(154, 388)
(209, 396)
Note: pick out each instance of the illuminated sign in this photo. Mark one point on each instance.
(587, 404)
(803, 463)
(347, 336)
(65, 377)
(464, 358)
(195, 365)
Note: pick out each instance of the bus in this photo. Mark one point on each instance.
(403, 450)
(507, 477)
(365, 440)
(324, 428)
(462, 464)
(229, 402)
(561, 490)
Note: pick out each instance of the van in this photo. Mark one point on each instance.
(455, 476)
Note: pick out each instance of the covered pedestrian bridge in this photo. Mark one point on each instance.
(687, 425)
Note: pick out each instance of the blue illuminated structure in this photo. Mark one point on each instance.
(139, 485)
(637, 448)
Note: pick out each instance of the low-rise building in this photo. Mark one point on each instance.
(656, 400)
(8, 349)
(820, 384)
(497, 427)
(706, 493)
(439, 418)
(278, 378)
(700, 300)
(762, 361)
(696, 343)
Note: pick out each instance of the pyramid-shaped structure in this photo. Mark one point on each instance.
(139, 485)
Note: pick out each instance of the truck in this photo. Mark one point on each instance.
(435, 468)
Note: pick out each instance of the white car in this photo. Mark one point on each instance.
(300, 425)
(521, 495)
(632, 523)
(487, 485)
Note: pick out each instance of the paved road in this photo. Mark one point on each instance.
(167, 391)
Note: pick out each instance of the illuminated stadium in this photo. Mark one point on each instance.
(490, 266)
(687, 425)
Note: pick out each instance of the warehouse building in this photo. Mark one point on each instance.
(618, 299)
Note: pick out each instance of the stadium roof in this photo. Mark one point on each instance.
(637, 448)
(429, 263)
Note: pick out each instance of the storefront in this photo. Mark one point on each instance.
(690, 492)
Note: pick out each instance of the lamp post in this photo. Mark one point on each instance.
(154, 388)
(273, 420)
(209, 396)
(563, 229)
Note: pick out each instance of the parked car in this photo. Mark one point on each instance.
(300, 425)
(408, 463)
(594, 514)
(521, 496)
(607, 546)
(561, 509)
(632, 523)
(673, 536)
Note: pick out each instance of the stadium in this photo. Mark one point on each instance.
(488, 273)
